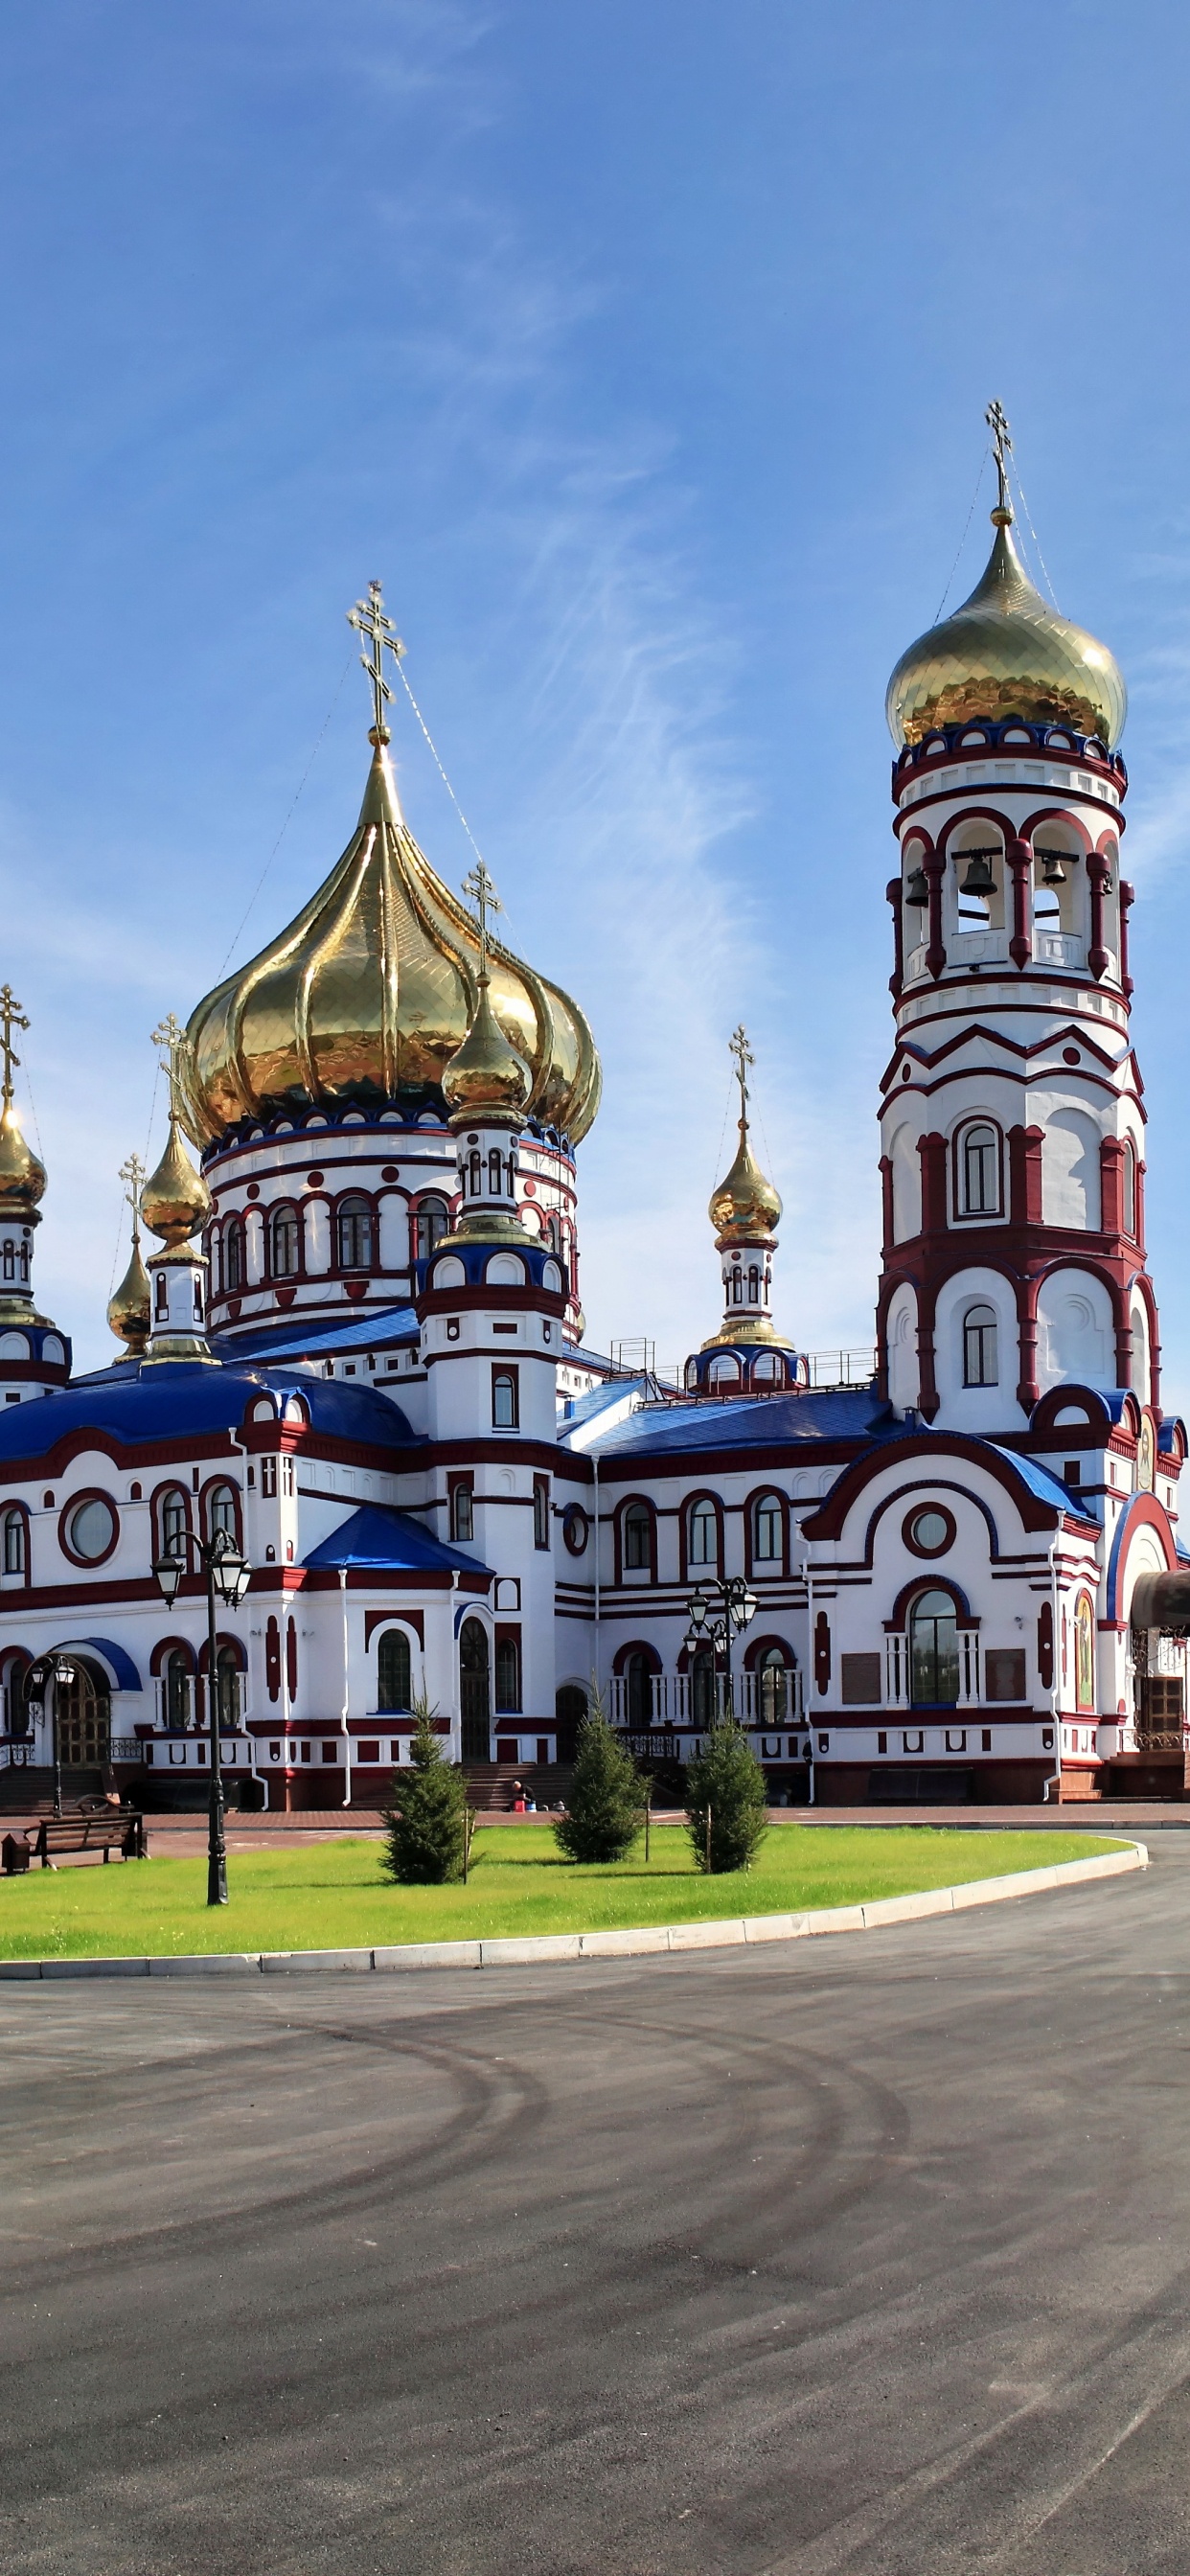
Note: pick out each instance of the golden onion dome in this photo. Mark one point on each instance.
(129, 1311)
(486, 1078)
(175, 1200)
(1005, 653)
(22, 1175)
(372, 990)
(745, 1208)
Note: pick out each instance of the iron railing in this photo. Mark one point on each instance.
(642, 1704)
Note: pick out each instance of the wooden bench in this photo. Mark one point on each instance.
(106, 1829)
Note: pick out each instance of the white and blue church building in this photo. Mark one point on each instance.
(358, 1346)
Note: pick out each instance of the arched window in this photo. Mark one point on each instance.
(1129, 1192)
(980, 1362)
(725, 1371)
(1084, 1653)
(283, 1243)
(638, 1538)
(475, 1171)
(233, 1257)
(473, 1691)
(355, 1234)
(394, 1671)
(221, 1512)
(14, 1542)
(430, 1224)
(638, 1673)
(494, 1172)
(767, 1531)
(554, 1234)
(504, 1400)
(933, 1651)
(753, 1285)
(980, 1171)
(702, 1535)
(774, 1687)
(508, 1676)
(174, 1522)
(228, 1682)
(176, 1690)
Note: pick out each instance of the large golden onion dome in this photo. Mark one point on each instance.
(22, 1175)
(745, 1208)
(1005, 653)
(372, 990)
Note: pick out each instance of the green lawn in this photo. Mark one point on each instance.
(334, 1896)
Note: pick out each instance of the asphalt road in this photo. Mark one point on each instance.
(870, 2255)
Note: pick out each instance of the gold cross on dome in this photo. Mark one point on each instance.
(997, 421)
(132, 1173)
(738, 1047)
(483, 894)
(171, 1034)
(11, 1017)
(369, 620)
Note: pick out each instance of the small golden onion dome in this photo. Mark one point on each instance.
(175, 1200)
(745, 1208)
(1005, 653)
(486, 1078)
(22, 1176)
(129, 1311)
(371, 991)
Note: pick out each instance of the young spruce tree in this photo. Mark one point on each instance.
(726, 1778)
(427, 1818)
(607, 1796)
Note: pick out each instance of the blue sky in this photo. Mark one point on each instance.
(643, 353)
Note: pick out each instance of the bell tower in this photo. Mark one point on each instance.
(34, 1355)
(1012, 1119)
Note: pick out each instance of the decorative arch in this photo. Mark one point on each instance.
(15, 1545)
(694, 1518)
(169, 1507)
(756, 1534)
(930, 1580)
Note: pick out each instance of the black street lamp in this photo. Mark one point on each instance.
(59, 1670)
(229, 1574)
(735, 1610)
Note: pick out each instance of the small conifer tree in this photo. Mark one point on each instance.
(426, 1820)
(727, 1779)
(607, 1794)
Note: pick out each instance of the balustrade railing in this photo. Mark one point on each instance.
(766, 1700)
(898, 1673)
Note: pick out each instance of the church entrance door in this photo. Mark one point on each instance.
(84, 1721)
(475, 1692)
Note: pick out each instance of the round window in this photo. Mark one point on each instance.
(930, 1532)
(91, 1530)
(575, 1526)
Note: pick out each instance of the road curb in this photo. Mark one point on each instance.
(650, 1939)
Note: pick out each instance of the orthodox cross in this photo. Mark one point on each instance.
(170, 1034)
(369, 620)
(483, 893)
(132, 1173)
(11, 1017)
(738, 1047)
(1001, 448)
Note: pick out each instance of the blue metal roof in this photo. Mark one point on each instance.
(1042, 1482)
(375, 1535)
(172, 1400)
(837, 1413)
(370, 1331)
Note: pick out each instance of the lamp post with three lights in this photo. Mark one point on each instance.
(229, 1574)
(715, 1623)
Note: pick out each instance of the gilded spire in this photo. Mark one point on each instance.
(129, 1309)
(485, 1077)
(175, 1199)
(745, 1208)
(1006, 651)
(22, 1175)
